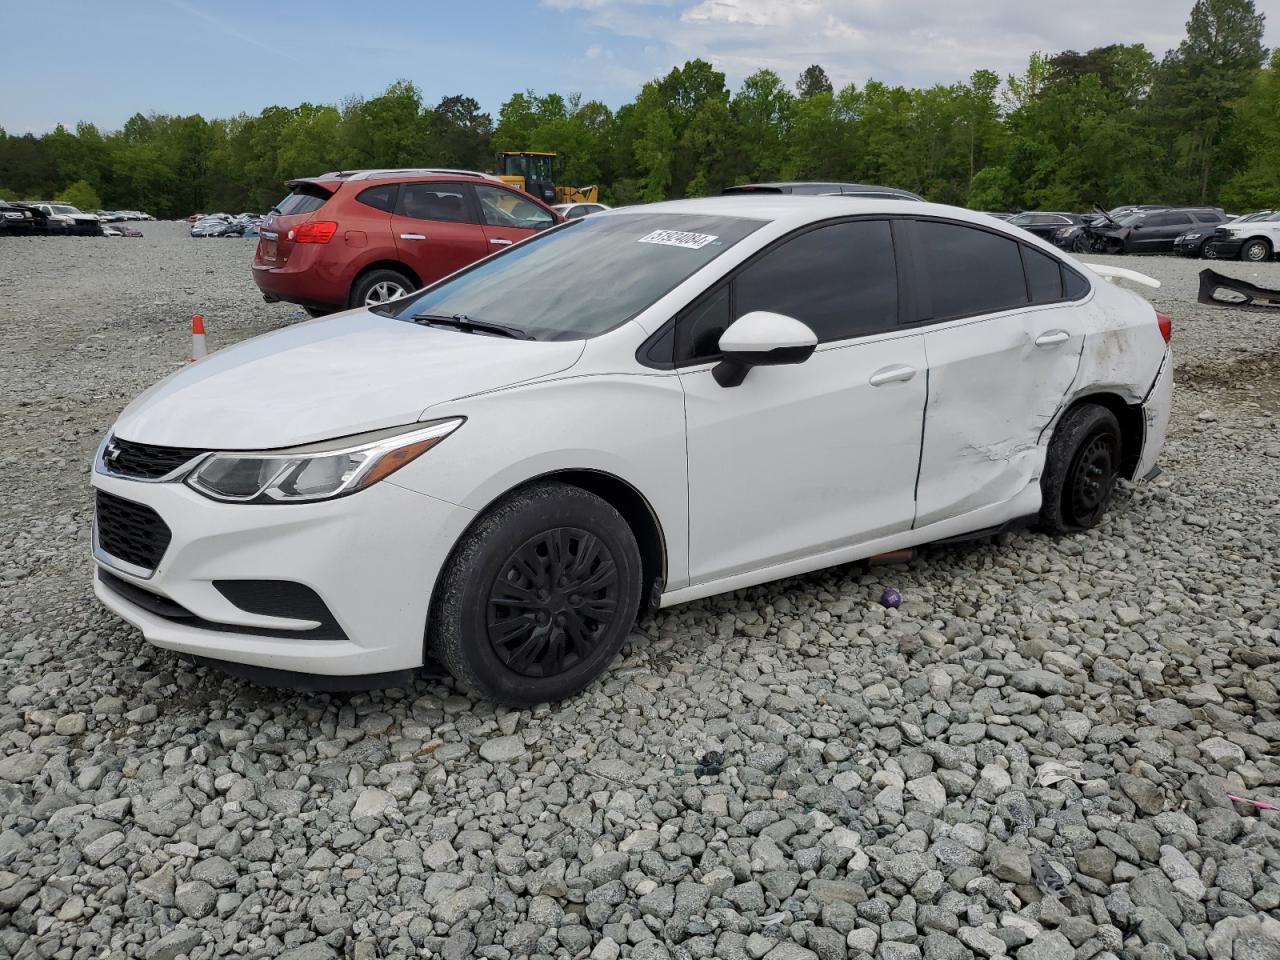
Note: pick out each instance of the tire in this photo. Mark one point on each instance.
(315, 312)
(379, 286)
(1256, 251)
(1081, 469)
(509, 656)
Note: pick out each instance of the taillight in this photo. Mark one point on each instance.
(1166, 325)
(317, 231)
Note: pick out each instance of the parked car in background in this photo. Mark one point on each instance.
(866, 191)
(212, 225)
(16, 219)
(1192, 243)
(1142, 231)
(572, 211)
(502, 470)
(363, 237)
(1044, 224)
(65, 218)
(1255, 239)
(998, 216)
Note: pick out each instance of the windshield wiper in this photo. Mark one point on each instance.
(461, 321)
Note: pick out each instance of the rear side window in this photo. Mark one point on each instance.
(841, 280)
(967, 271)
(381, 197)
(1074, 285)
(1207, 216)
(434, 201)
(1044, 277)
(1177, 219)
(305, 198)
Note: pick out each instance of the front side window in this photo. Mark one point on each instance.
(840, 280)
(617, 266)
(506, 208)
(967, 271)
(434, 201)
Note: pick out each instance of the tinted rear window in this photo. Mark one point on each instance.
(304, 198)
(381, 197)
(969, 271)
(1044, 278)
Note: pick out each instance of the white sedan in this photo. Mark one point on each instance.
(502, 472)
(573, 211)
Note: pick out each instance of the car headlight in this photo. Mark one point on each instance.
(318, 471)
(1191, 236)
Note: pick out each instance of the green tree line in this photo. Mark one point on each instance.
(1111, 125)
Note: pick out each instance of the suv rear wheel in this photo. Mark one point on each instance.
(379, 286)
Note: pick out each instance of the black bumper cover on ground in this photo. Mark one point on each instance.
(1218, 288)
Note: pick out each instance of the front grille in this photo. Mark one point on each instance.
(131, 531)
(143, 461)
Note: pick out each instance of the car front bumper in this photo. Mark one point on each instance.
(372, 558)
(1223, 249)
(1189, 248)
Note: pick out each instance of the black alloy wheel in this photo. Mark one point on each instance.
(552, 602)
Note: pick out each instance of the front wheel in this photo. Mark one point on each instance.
(1081, 469)
(538, 597)
(380, 286)
(1255, 251)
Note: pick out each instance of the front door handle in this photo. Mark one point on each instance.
(898, 373)
(1052, 338)
(501, 243)
(412, 236)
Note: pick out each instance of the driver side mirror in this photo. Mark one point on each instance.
(761, 339)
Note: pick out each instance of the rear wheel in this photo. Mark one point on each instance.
(1255, 251)
(379, 286)
(1081, 469)
(538, 597)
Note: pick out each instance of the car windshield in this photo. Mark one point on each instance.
(583, 278)
(64, 208)
(1129, 219)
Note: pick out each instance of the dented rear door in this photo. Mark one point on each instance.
(998, 368)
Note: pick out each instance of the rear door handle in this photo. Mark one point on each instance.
(501, 243)
(898, 373)
(1052, 338)
(412, 236)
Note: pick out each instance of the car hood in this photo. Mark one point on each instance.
(329, 378)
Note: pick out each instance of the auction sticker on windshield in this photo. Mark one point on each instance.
(678, 238)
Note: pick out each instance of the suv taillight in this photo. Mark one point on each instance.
(317, 231)
(1166, 325)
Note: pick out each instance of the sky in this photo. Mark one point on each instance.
(104, 60)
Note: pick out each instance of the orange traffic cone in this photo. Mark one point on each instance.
(198, 350)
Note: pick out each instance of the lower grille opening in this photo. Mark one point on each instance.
(131, 532)
(170, 610)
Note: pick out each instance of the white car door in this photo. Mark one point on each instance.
(803, 458)
(1003, 338)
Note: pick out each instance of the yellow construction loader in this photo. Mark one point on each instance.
(534, 172)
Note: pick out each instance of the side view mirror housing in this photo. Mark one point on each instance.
(761, 339)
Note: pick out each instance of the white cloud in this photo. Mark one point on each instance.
(910, 42)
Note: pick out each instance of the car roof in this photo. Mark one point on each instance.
(399, 172)
(792, 210)
(810, 187)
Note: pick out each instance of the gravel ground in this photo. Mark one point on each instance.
(1031, 758)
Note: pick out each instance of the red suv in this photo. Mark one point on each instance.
(357, 238)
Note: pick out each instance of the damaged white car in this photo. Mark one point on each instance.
(502, 470)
